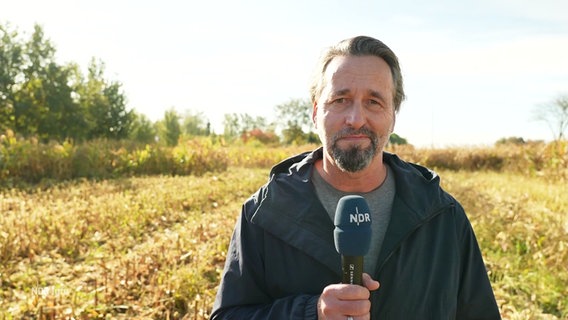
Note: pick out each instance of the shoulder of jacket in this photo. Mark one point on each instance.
(414, 170)
(420, 187)
(296, 163)
(293, 171)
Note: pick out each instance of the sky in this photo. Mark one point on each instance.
(474, 71)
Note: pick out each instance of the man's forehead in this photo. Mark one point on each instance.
(345, 74)
(358, 66)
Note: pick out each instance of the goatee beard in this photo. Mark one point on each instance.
(354, 158)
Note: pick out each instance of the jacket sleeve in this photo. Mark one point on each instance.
(242, 293)
(475, 298)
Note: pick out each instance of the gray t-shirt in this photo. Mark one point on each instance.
(380, 204)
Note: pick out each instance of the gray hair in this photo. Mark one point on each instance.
(360, 46)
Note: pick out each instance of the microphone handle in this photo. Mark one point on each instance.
(352, 267)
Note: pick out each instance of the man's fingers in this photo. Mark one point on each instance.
(369, 283)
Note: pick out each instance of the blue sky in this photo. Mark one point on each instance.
(474, 70)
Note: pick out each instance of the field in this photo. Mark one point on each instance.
(153, 246)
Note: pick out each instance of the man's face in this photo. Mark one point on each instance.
(354, 115)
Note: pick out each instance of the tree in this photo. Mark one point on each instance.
(555, 114)
(511, 141)
(46, 107)
(230, 125)
(142, 129)
(41, 98)
(11, 56)
(169, 129)
(257, 135)
(32, 110)
(118, 118)
(38, 92)
(236, 125)
(395, 139)
(105, 105)
(295, 119)
(196, 124)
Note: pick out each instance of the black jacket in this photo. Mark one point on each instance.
(282, 252)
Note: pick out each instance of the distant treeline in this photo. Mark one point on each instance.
(43, 99)
(51, 101)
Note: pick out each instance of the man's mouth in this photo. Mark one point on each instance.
(355, 139)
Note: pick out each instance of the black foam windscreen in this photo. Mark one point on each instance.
(352, 233)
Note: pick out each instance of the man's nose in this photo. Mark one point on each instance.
(355, 116)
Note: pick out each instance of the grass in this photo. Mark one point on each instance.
(522, 226)
(153, 247)
(148, 247)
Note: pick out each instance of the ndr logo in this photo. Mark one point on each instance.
(359, 217)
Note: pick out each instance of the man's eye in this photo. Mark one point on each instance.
(375, 104)
(340, 100)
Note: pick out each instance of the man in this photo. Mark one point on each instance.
(282, 262)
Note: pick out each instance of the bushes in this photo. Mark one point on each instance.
(257, 156)
(536, 159)
(30, 161)
(27, 161)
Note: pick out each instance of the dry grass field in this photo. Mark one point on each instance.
(153, 247)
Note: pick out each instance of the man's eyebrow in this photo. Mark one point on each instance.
(376, 94)
(372, 93)
(340, 92)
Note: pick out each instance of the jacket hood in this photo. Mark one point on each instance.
(297, 163)
(289, 199)
(409, 177)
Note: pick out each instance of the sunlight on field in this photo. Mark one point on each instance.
(154, 246)
(521, 224)
(137, 246)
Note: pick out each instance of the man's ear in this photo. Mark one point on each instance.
(314, 114)
(393, 122)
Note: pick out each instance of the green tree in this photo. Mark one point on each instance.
(43, 103)
(249, 123)
(119, 119)
(169, 129)
(196, 124)
(142, 129)
(295, 119)
(237, 124)
(231, 127)
(40, 91)
(42, 98)
(105, 105)
(395, 139)
(511, 141)
(51, 110)
(31, 108)
(11, 60)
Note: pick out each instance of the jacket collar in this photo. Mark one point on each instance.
(290, 210)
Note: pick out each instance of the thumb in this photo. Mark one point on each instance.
(370, 283)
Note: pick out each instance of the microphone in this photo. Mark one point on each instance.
(352, 236)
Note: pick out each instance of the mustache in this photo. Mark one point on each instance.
(350, 132)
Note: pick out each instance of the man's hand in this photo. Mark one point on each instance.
(339, 301)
